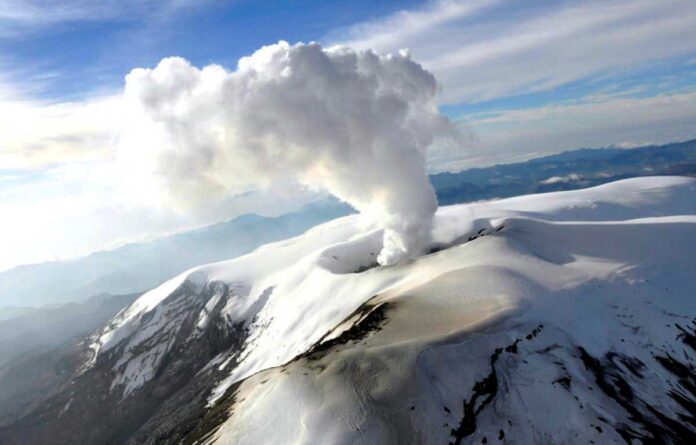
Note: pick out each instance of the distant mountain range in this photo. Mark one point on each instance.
(38, 329)
(138, 267)
(569, 170)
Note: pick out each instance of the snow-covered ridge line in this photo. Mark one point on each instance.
(548, 331)
(289, 294)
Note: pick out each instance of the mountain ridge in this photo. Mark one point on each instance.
(574, 303)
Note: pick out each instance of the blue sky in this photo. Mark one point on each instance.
(92, 52)
(521, 79)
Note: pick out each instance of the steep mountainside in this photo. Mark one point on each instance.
(566, 317)
(38, 349)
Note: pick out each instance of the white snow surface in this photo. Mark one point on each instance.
(551, 257)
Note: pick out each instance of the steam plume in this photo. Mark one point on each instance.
(356, 124)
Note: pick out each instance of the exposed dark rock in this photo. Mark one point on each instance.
(564, 382)
(688, 334)
(365, 267)
(370, 318)
(483, 393)
(651, 425)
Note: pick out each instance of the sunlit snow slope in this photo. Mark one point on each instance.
(601, 279)
(566, 317)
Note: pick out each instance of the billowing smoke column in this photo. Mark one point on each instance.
(356, 124)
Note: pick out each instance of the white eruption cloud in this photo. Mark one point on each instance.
(356, 124)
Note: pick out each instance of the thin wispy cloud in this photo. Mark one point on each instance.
(393, 31)
(37, 134)
(481, 51)
(19, 16)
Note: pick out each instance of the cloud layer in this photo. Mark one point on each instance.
(356, 124)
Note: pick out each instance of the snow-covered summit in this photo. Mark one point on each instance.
(557, 318)
(564, 317)
(290, 293)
